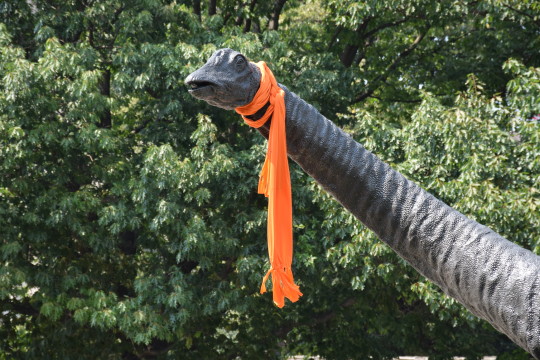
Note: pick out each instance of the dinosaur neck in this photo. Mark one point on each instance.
(470, 262)
(259, 113)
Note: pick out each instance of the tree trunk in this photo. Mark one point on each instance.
(212, 6)
(247, 25)
(348, 54)
(274, 20)
(239, 20)
(197, 8)
(105, 89)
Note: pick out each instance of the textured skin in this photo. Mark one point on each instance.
(492, 277)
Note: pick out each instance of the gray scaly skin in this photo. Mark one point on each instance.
(494, 278)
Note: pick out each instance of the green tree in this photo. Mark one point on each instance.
(130, 226)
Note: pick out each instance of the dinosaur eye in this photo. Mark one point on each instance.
(240, 62)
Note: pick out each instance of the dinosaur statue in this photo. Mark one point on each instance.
(494, 278)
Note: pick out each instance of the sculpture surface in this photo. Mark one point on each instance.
(494, 278)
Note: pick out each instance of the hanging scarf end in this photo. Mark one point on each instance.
(283, 286)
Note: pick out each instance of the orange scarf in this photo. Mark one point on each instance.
(275, 183)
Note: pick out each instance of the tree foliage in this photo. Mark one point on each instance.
(130, 224)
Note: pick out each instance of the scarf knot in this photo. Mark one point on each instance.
(275, 183)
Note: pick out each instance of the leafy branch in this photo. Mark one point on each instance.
(390, 68)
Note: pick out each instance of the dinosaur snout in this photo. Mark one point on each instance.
(199, 85)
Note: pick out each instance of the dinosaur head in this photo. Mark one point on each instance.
(227, 80)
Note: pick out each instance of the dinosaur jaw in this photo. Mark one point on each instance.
(201, 89)
(209, 91)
